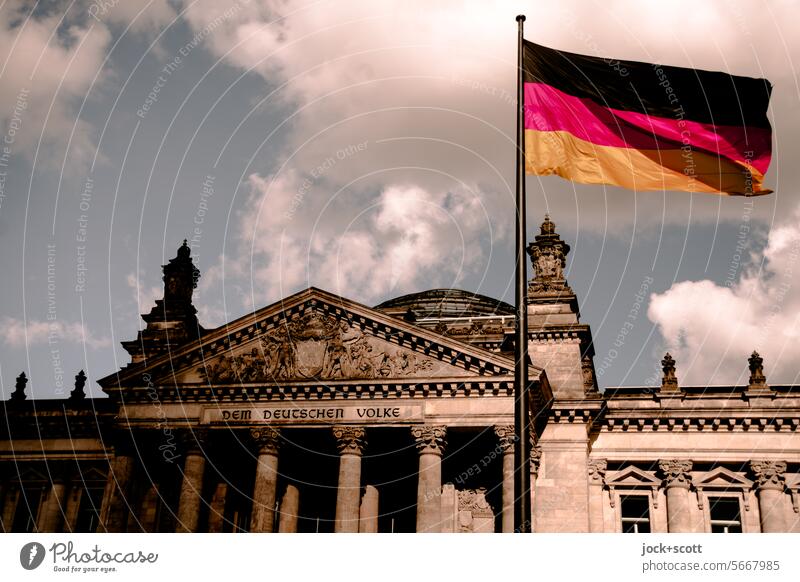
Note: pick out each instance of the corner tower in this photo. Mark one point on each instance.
(173, 320)
(562, 345)
(557, 340)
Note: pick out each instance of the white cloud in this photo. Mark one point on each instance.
(43, 74)
(144, 296)
(711, 329)
(16, 333)
(413, 236)
(445, 71)
(50, 60)
(362, 246)
(429, 86)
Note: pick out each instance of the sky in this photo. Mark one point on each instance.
(366, 148)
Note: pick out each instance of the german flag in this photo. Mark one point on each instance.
(644, 126)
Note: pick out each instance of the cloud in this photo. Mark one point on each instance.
(46, 66)
(16, 333)
(413, 236)
(50, 60)
(430, 93)
(711, 329)
(144, 297)
(146, 18)
(365, 247)
(439, 83)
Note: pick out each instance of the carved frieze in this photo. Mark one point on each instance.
(475, 328)
(474, 501)
(316, 346)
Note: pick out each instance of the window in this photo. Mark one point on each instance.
(89, 509)
(635, 514)
(725, 515)
(27, 511)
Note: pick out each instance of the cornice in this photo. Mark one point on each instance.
(710, 422)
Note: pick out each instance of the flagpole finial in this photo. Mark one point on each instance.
(520, 18)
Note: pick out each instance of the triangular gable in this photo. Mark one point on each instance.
(31, 474)
(315, 335)
(722, 478)
(633, 477)
(92, 474)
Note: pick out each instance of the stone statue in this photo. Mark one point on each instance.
(548, 256)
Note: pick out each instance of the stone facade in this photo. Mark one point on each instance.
(321, 414)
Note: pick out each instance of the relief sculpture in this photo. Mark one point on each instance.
(316, 347)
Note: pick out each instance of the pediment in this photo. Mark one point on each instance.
(319, 346)
(316, 336)
(31, 474)
(722, 478)
(633, 477)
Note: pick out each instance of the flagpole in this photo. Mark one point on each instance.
(522, 448)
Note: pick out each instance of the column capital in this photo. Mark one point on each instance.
(194, 440)
(430, 439)
(676, 472)
(350, 440)
(267, 439)
(769, 474)
(597, 471)
(506, 437)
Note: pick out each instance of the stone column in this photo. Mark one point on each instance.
(770, 484)
(9, 508)
(114, 509)
(430, 441)
(4, 491)
(192, 485)
(216, 513)
(73, 502)
(350, 441)
(506, 438)
(51, 516)
(677, 481)
(368, 518)
(290, 509)
(268, 440)
(597, 481)
(148, 509)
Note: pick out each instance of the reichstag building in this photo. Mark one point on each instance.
(320, 414)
